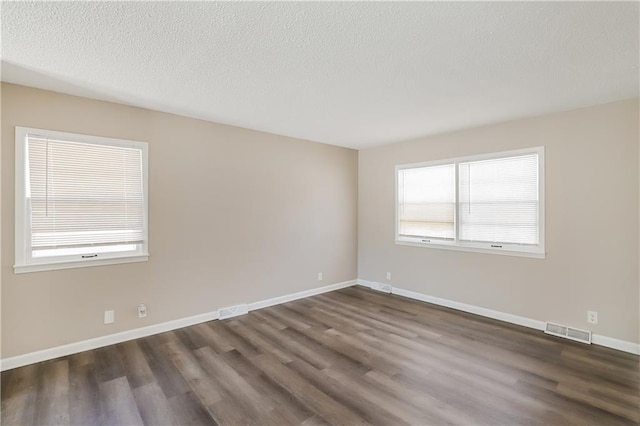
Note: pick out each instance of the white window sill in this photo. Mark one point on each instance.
(52, 266)
(450, 246)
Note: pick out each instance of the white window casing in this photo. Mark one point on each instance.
(491, 203)
(80, 200)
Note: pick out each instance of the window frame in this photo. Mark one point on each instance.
(521, 250)
(24, 261)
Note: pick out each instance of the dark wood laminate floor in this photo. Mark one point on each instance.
(353, 356)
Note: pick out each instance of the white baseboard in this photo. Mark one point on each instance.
(98, 342)
(621, 345)
(489, 313)
(596, 339)
(300, 295)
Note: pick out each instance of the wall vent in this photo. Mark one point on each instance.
(233, 311)
(567, 332)
(385, 288)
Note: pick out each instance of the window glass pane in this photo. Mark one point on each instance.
(499, 200)
(426, 204)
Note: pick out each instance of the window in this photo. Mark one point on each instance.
(490, 203)
(80, 200)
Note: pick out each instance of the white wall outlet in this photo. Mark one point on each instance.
(389, 276)
(142, 310)
(320, 276)
(592, 317)
(109, 316)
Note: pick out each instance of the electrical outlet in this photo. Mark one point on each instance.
(320, 276)
(592, 317)
(109, 316)
(389, 276)
(142, 311)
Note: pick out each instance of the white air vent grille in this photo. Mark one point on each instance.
(233, 311)
(385, 288)
(567, 332)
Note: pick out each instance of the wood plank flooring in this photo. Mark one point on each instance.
(348, 357)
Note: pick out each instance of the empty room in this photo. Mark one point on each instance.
(320, 213)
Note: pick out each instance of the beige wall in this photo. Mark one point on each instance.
(239, 216)
(591, 218)
(1, 233)
(235, 216)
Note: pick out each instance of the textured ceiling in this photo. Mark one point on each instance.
(350, 74)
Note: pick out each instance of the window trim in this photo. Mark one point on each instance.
(537, 252)
(24, 262)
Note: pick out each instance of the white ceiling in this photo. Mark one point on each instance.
(350, 74)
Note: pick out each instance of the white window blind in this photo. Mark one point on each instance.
(490, 203)
(426, 204)
(498, 200)
(84, 195)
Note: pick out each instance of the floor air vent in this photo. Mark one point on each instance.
(233, 311)
(385, 288)
(567, 332)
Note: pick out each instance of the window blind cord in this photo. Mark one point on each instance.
(402, 196)
(469, 188)
(126, 195)
(126, 191)
(46, 179)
